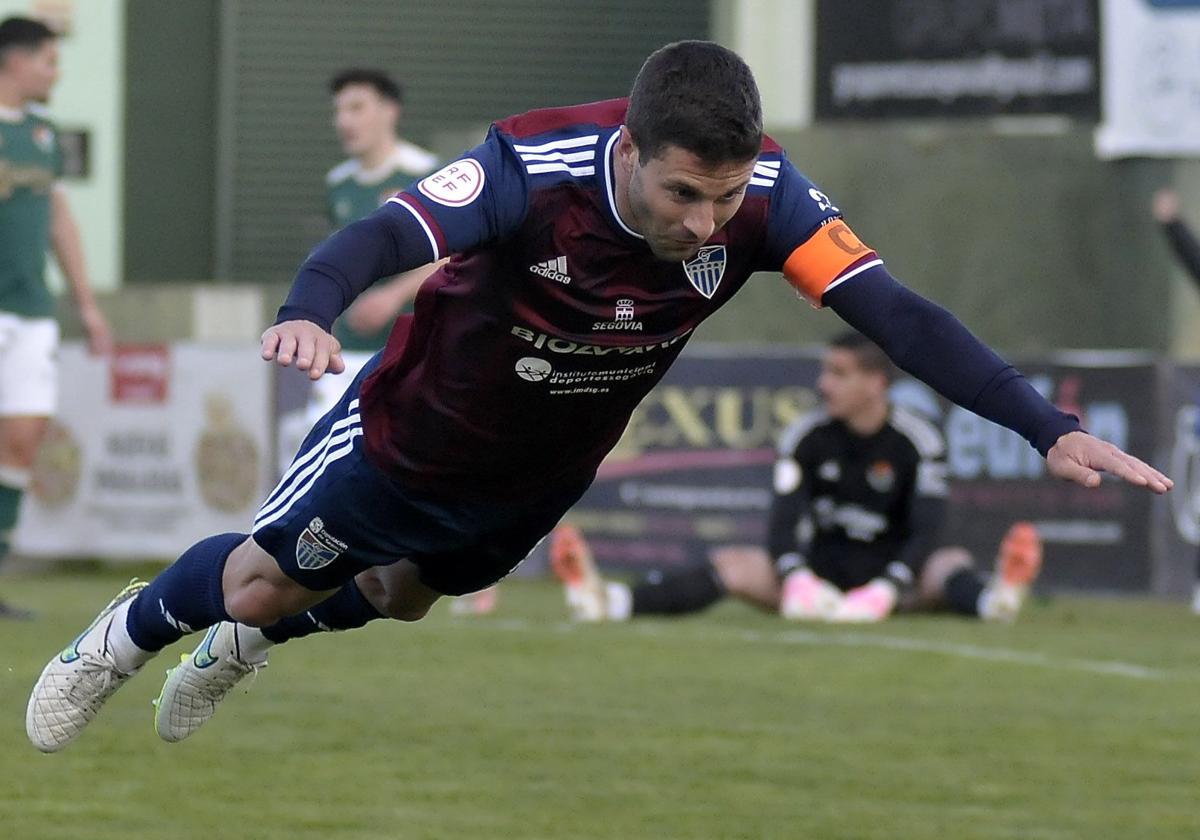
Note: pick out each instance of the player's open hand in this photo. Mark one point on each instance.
(1166, 205)
(1081, 458)
(304, 343)
(99, 333)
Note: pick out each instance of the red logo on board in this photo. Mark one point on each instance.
(140, 373)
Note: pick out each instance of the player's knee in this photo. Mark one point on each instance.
(19, 452)
(256, 603)
(396, 591)
(401, 609)
(941, 566)
(736, 567)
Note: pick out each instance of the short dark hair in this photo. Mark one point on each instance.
(866, 352)
(384, 85)
(699, 96)
(24, 32)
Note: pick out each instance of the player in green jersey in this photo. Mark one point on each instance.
(367, 106)
(34, 218)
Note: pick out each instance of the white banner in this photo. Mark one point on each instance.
(1150, 101)
(152, 450)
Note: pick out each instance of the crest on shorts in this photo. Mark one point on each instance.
(316, 548)
(705, 270)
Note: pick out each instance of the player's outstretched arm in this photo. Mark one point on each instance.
(1180, 237)
(931, 344)
(304, 343)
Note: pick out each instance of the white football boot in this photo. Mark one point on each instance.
(196, 686)
(77, 682)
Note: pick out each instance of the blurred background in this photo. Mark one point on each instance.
(1000, 156)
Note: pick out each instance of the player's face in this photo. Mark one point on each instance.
(676, 200)
(35, 70)
(846, 387)
(364, 120)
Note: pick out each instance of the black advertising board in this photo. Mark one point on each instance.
(941, 58)
(694, 468)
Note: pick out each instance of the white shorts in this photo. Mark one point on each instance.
(28, 366)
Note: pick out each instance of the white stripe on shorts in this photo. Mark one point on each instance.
(334, 455)
(330, 443)
(306, 463)
(317, 451)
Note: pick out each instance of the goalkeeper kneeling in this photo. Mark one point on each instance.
(860, 493)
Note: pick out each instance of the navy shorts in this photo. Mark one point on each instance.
(334, 514)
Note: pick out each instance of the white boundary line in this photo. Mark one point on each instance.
(1104, 667)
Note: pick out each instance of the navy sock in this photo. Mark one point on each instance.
(345, 609)
(10, 504)
(963, 589)
(185, 598)
(688, 590)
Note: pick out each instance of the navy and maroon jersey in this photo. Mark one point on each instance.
(527, 353)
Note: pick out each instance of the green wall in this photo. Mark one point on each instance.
(170, 140)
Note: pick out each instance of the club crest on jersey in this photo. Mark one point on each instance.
(881, 476)
(316, 548)
(705, 270)
(43, 136)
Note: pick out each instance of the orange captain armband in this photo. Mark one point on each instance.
(823, 259)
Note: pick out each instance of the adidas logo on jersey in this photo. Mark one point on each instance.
(555, 269)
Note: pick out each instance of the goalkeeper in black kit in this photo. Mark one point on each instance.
(859, 502)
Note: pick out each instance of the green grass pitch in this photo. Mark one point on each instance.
(1081, 721)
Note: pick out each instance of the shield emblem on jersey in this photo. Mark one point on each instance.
(705, 270)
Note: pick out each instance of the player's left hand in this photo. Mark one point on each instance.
(99, 334)
(1166, 205)
(303, 342)
(869, 603)
(1081, 458)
